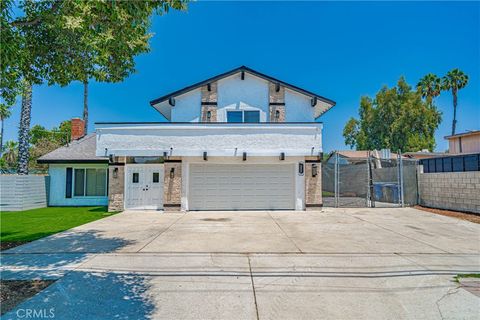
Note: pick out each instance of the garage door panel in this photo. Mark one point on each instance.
(241, 186)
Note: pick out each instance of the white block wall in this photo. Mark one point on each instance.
(23, 192)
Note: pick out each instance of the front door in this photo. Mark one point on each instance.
(144, 186)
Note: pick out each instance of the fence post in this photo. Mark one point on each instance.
(400, 170)
(335, 171)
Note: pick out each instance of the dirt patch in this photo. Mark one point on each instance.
(217, 219)
(13, 292)
(472, 217)
(5, 245)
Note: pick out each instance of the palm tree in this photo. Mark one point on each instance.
(429, 87)
(24, 131)
(11, 153)
(4, 114)
(454, 80)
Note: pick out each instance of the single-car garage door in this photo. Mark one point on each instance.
(241, 186)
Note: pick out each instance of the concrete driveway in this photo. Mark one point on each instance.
(331, 264)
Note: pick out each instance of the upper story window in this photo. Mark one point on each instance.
(246, 116)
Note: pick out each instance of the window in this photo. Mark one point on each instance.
(90, 182)
(156, 177)
(243, 116)
(234, 116)
(135, 177)
(251, 116)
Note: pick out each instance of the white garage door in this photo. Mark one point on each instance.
(241, 186)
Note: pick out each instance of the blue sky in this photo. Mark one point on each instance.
(341, 50)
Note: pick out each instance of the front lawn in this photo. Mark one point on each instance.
(29, 225)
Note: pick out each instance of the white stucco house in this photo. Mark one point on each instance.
(241, 140)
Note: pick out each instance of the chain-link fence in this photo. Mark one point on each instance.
(369, 181)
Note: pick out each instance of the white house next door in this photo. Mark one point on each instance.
(144, 186)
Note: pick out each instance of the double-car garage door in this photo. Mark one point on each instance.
(241, 186)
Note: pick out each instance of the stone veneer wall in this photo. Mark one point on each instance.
(276, 102)
(209, 103)
(450, 190)
(116, 188)
(313, 185)
(172, 188)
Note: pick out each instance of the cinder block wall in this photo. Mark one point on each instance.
(450, 190)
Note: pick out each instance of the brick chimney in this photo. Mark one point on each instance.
(78, 128)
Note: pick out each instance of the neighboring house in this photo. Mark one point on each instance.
(467, 142)
(359, 156)
(239, 141)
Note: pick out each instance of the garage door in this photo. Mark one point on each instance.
(241, 186)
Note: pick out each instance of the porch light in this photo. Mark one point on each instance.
(111, 158)
(205, 156)
(209, 115)
(244, 156)
(300, 168)
(282, 156)
(172, 173)
(314, 170)
(277, 87)
(209, 87)
(171, 101)
(277, 115)
(115, 173)
(314, 101)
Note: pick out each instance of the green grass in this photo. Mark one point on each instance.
(33, 224)
(328, 194)
(468, 275)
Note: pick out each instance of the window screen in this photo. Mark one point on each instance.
(79, 190)
(234, 116)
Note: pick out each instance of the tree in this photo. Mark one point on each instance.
(5, 112)
(85, 38)
(430, 87)
(397, 119)
(454, 80)
(9, 157)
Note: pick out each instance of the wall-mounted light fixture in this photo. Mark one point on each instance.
(111, 158)
(314, 170)
(244, 156)
(243, 75)
(172, 173)
(115, 173)
(171, 101)
(205, 156)
(277, 115)
(209, 87)
(314, 101)
(301, 168)
(282, 156)
(209, 115)
(277, 87)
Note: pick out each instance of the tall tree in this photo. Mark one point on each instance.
(5, 112)
(430, 87)
(87, 39)
(397, 119)
(454, 80)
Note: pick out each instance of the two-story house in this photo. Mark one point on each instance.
(241, 140)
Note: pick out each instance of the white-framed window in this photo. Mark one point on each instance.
(245, 116)
(89, 182)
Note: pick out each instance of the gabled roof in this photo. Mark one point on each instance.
(77, 151)
(246, 70)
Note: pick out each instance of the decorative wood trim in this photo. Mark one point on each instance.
(208, 103)
(277, 103)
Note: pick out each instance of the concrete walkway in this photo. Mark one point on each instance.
(332, 264)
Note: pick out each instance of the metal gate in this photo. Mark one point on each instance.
(372, 181)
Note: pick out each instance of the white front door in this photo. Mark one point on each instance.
(144, 186)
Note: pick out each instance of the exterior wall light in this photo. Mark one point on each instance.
(244, 156)
(172, 173)
(205, 156)
(314, 170)
(209, 116)
(111, 158)
(115, 173)
(171, 101)
(301, 168)
(209, 87)
(282, 156)
(277, 115)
